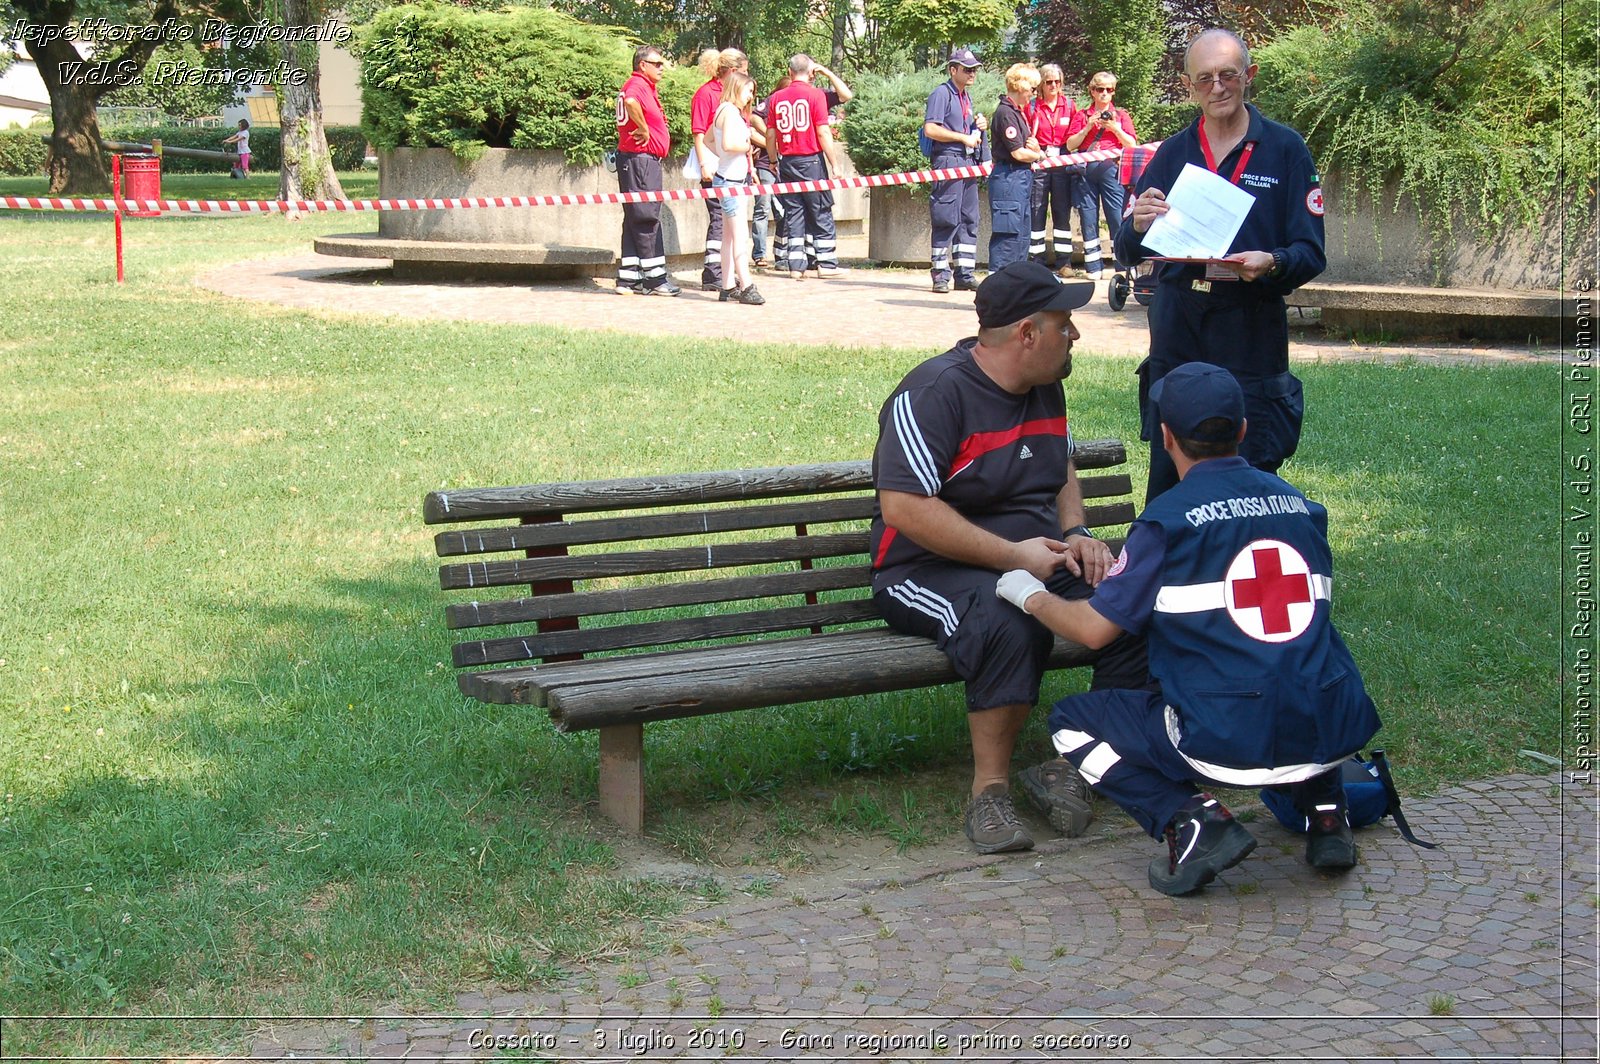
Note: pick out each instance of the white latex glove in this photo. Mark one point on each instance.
(1017, 586)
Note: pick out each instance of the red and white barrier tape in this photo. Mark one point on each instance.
(915, 177)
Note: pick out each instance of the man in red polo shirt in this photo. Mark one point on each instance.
(803, 148)
(642, 142)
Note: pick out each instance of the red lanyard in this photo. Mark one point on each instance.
(1211, 162)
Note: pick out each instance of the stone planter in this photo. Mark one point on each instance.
(531, 241)
(1370, 242)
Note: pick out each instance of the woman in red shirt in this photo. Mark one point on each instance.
(1104, 126)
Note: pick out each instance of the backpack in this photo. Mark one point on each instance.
(925, 143)
(1369, 794)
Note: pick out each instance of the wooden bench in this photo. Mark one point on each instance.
(651, 598)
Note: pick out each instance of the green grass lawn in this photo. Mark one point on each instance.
(236, 774)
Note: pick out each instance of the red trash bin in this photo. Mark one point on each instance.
(141, 180)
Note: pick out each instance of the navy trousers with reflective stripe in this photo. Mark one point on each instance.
(644, 256)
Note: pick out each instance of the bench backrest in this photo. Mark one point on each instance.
(646, 563)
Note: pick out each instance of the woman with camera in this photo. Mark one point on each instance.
(1105, 126)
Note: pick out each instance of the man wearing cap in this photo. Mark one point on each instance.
(1229, 576)
(956, 130)
(1231, 313)
(975, 476)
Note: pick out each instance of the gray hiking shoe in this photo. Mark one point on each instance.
(992, 822)
(1060, 794)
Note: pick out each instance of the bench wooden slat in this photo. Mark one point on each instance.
(653, 526)
(662, 633)
(1105, 486)
(636, 563)
(586, 695)
(654, 597)
(733, 485)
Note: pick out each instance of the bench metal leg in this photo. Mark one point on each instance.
(622, 775)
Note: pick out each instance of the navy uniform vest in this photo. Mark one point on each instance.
(1241, 637)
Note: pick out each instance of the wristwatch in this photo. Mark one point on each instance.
(1077, 530)
(1279, 261)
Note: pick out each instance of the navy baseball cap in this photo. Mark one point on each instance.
(963, 57)
(1008, 295)
(1194, 393)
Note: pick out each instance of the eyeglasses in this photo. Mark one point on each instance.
(1052, 81)
(1102, 88)
(1205, 81)
(653, 62)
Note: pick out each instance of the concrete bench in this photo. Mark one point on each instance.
(453, 260)
(1415, 310)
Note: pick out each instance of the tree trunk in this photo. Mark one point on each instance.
(841, 27)
(307, 171)
(76, 166)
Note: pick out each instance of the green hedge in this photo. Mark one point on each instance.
(437, 76)
(348, 144)
(1485, 113)
(22, 152)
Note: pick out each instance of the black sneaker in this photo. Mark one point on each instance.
(1202, 840)
(729, 295)
(1061, 795)
(665, 288)
(966, 284)
(750, 297)
(1330, 844)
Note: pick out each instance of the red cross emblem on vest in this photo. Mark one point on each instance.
(1268, 591)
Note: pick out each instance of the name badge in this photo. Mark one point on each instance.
(1216, 272)
(1051, 151)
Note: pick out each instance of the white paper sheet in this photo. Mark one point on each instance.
(1205, 213)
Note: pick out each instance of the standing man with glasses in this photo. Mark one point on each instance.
(1105, 126)
(1231, 313)
(642, 142)
(1054, 116)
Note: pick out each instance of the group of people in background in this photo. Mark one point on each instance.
(786, 137)
(740, 138)
(1033, 121)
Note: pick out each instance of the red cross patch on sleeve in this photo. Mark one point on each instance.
(1314, 202)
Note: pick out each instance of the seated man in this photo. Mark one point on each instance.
(1229, 575)
(974, 475)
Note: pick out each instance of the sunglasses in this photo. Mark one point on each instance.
(1102, 88)
(653, 62)
(1052, 81)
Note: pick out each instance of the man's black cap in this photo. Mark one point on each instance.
(1196, 392)
(1008, 295)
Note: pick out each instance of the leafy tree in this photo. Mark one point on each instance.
(178, 97)
(937, 25)
(76, 85)
(1483, 110)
